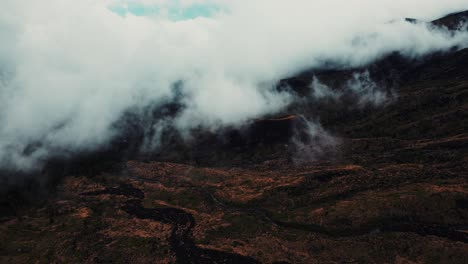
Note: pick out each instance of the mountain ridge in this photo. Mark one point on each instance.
(373, 183)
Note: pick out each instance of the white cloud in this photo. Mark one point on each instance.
(70, 68)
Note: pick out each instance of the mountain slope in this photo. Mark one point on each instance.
(388, 184)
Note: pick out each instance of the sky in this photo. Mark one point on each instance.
(174, 11)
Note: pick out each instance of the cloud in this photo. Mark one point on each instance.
(367, 90)
(313, 142)
(70, 69)
(320, 90)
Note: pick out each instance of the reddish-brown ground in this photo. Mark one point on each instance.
(392, 189)
(335, 212)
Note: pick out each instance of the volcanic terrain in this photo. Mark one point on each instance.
(376, 183)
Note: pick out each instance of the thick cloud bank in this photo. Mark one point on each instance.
(70, 69)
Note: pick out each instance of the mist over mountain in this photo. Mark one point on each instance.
(71, 71)
(218, 131)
